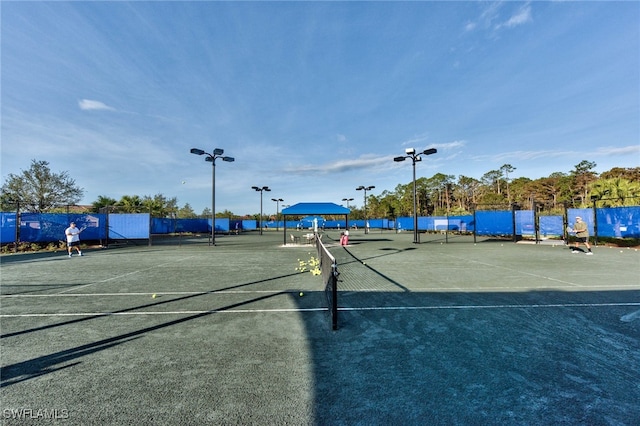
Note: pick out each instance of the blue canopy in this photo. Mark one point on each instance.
(301, 209)
(306, 209)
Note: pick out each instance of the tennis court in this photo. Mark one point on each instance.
(443, 332)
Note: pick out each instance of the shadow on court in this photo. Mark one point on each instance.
(32, 368)
(481, 358)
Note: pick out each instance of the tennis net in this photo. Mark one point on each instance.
(329, 269)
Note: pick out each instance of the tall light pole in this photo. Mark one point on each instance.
(365, 189)
(261, 190)
(347, 200)
(411, 153)
(217, 153)
(278, 201)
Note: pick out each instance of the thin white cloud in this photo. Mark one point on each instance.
(533, 155)
(624, 150)
(520, 155)
(341, 166)
(370, 161)
(490, 13)
(490, 18)
(522, 16)
(450, 145)
(415, 140)
(443, 146)
(90, 105)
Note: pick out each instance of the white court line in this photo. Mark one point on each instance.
(485, 289)
(123, 275)
(532, 306)
(210, 311)
(342, 309)
(147, 294)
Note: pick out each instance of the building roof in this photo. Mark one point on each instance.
(315, 208)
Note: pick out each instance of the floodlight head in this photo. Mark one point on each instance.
(210, 159)
(266, 188)
(197, 151)
(429, 151)
(360, 188)
(410, 151)
(228, 159)
(369, 188)
(218, 151)
(256, 188)
(398, 159)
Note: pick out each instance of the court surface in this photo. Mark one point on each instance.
(446, 332)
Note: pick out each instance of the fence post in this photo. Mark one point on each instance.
(475, 223)
(565, 223)
(17, 237)
(594, 198)
(514, 207)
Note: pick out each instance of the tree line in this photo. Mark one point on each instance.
(40, 190)
(443, 194)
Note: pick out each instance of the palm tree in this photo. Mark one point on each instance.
(131, 204)
(615, 192)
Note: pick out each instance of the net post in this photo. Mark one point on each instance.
(334, 298)
(329, 270)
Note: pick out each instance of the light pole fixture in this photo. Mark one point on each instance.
(415, 157)
(365, 189)
(217, 153)
(278, 201)
(261, 190)
(347, 200)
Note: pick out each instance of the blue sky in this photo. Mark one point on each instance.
(314, 98)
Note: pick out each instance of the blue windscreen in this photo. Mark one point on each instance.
(129, 226)
(8, 230)
(494, 222)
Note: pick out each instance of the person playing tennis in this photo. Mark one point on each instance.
(73, 238)
(582, 236)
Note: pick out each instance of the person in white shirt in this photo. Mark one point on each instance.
(73, 238)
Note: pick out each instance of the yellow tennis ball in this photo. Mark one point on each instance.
(154, 296)
(301, 294)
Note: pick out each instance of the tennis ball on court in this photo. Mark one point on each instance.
(301, 294)
(153, 296)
